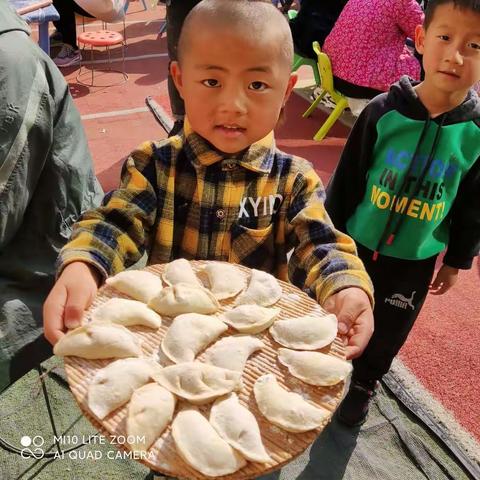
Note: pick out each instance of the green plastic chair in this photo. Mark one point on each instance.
(298, 60)
(326, 84)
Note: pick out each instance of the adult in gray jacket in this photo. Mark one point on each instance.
(46, 181)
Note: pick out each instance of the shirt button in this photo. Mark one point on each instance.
(220, 213)
(230, 165)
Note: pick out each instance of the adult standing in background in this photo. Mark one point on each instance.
(367, 45)
(46, 181)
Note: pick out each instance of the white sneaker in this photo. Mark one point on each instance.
(68, 57)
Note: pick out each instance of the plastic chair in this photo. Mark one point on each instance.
(341, 103)
(298, 60)
(101, 38)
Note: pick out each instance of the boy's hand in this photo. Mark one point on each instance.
(71, 295)
(444, 281)
(355, 318)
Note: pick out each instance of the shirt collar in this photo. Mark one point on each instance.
(258, 157)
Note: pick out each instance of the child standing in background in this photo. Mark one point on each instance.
(407, 187)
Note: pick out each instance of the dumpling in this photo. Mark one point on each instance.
(184, 298)
(138, 284)
(113, 385)
(315, 368)
(180, 271)
(150, 411)
(263, 289)
(201, 446)
(127, 313)
(250, 318)
(197, 382)
(225, 279)
(232, 352)
(238, 426)
(189, 334)
(287, 410)
(305, 333)
(97, 341)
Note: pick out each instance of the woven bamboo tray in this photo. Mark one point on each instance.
(282, 446)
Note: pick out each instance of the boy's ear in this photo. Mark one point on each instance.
(291, 83)
(419, 38)
(176, 74)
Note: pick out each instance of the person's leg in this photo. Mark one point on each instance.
(400, 291)
(66, 27)
(66, 24)
(177, 10)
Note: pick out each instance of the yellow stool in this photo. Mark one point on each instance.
(326, 84)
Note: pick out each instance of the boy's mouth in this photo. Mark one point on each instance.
(450, 73)
(231, 131)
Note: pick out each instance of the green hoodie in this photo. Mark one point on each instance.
(46, 181)
(407, 186)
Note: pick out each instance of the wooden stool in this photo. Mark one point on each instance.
(102, 38)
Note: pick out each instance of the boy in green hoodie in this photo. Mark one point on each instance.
(407, 187)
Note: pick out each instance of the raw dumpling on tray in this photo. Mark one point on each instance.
(305, 333)
(198, 443)
(315, 368)
(127, 313)
(138, 284)
(189, 334)
(113, 385)
(199, 383)
(98, 340)
(225, 279)
(184, 298)
(250, 318)
(263, 289)
(150, 411)
(238, 426)
(180, 271)
(287, 410)
(232, 352)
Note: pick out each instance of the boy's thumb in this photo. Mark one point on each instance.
(74, 309)
(329, 304)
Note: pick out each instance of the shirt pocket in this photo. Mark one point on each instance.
(253, 248)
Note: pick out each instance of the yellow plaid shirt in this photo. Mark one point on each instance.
(181, 198)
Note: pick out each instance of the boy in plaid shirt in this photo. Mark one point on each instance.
(221, 190)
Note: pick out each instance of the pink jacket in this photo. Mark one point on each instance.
(367, 43)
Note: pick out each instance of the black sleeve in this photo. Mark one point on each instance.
(347, 185)
(464, 243)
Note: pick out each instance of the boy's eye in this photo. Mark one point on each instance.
(444, 37)
(474, 45)
(259, 86)
(211, 82)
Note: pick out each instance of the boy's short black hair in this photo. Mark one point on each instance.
(472, 5)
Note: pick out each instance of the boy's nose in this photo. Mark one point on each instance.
(233, 101)
(455, 56)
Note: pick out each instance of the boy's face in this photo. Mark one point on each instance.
(233, 88)
(451, 49)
